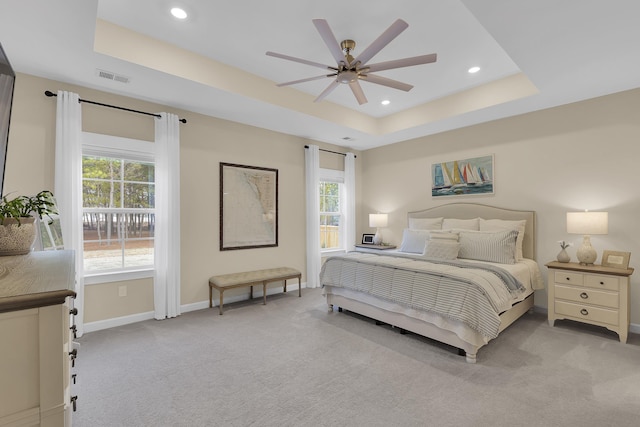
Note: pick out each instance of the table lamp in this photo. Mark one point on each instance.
(587, 223)
(377, 221)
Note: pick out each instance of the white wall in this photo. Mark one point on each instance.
(570, 158)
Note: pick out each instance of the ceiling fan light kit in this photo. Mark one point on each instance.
(350, 70)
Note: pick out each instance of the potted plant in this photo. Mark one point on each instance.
(17, 221)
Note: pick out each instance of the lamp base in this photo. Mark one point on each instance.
(586, 254)
(377, 239)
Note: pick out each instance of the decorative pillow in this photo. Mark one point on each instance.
(443, 235)
(464, 224)
(425, 223)
(497, 247)
(414, 241)
(441, 249)
(502, 224)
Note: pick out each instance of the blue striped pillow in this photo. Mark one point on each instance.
(497, 247)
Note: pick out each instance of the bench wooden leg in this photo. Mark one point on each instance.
(264, 292)
(299, 286)
(221, 301)
(210, 296)
(285, 285)
(251, 292)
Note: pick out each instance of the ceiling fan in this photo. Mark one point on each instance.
(350, 70)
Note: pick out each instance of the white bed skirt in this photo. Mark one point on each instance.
(431, 325)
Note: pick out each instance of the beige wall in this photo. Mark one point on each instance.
(205, 141)
(568, 158)
(579, 156)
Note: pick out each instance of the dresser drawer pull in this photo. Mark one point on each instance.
(74, 329)
(73, 311)
(584, 295)
(73, 354)
(568, 278)
(602, 283)
(584, 312)
(74, 399)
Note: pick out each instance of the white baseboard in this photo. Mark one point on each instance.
(117, 321)
(201, 305)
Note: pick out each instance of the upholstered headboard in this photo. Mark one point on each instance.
(473, 210)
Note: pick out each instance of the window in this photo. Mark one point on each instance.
(332, 205)
(118, 213)
(118, 208)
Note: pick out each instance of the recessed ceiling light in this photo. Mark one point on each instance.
(178, 13)
(385, 102)
(473, 70)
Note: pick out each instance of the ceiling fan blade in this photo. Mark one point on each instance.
(302, 61)
(399, 63)
(334, 84)
(386, 82)
(306, 80)
(378, 44)
(329, 39)
(357, 92)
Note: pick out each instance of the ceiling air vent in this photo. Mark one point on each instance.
(112, 76)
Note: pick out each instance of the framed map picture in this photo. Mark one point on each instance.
(462, 177)
(248, 207)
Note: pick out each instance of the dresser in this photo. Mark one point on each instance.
(590, 294)
(36, 330)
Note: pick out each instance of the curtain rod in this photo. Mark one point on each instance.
(50, 94)
(329, 151)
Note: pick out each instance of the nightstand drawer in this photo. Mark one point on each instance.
(601, 282)
(568, 277)
(587, 312)
(588, 296)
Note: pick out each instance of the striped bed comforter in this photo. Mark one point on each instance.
(470, 294)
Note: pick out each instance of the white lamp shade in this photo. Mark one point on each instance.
(587, 222)
(378, 220)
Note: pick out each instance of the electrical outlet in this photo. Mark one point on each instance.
(122, 291)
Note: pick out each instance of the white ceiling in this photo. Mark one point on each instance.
(214, 62)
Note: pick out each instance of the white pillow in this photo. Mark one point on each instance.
(497, 247)
(441, 249)
(502, 224)
(425, 223)
(464, 224)
(413, 241)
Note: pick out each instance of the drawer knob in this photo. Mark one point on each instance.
(584, 312)
(584, 295)
(568, 278)
(602, 283)
(73, 311)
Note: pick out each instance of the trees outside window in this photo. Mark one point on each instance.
(118, 200)
(331, 215)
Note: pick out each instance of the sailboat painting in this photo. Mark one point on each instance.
(462, 177)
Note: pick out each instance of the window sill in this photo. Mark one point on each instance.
(120, 276)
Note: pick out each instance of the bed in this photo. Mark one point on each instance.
(463, 273)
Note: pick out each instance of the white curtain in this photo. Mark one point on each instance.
(68, 186)
(312, 182)
(350, 187)
(167, 206)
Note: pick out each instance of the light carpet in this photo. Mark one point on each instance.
(291, 363)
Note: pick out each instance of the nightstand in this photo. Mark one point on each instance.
(366, 248)
(590, 294)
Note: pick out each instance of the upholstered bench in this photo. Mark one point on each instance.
(250, 278)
